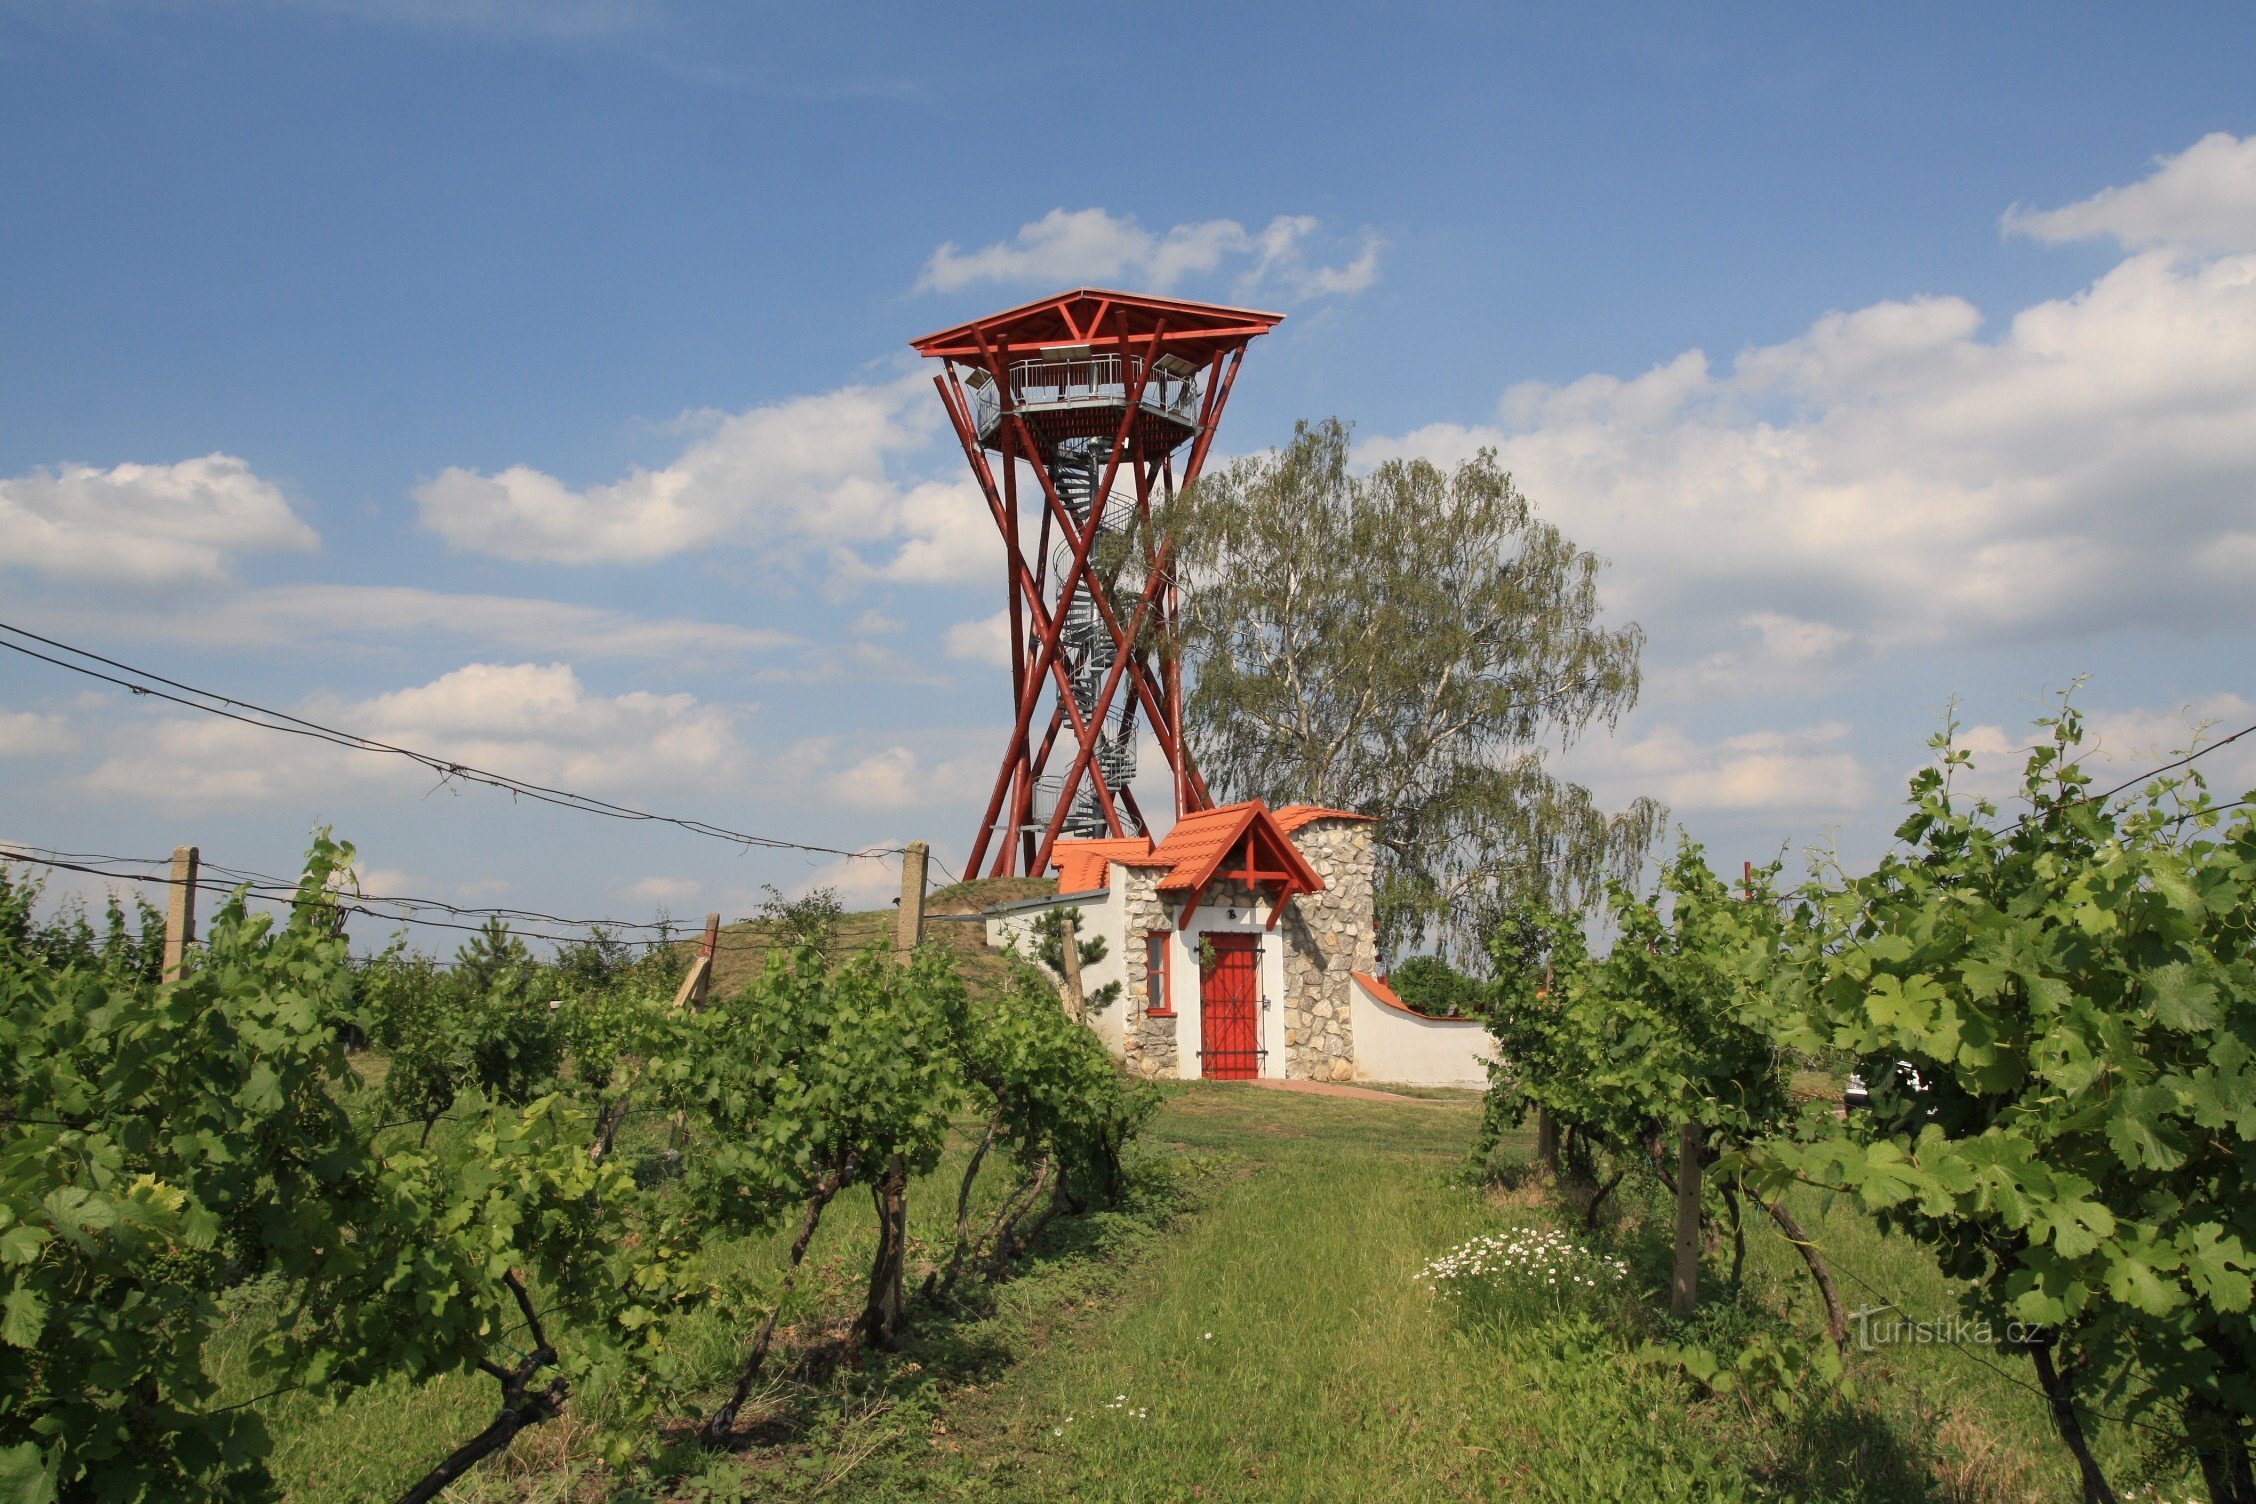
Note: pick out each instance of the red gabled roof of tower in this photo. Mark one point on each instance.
(1096, 316)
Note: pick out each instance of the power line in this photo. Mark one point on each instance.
(270, 889)
(266, 881)
(273, 890)
(211, 702)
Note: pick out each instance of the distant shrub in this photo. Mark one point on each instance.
(1433, 987)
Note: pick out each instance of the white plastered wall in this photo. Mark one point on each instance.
(1410, 1050)
(1102, 913)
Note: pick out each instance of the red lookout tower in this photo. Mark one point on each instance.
(1094, 392)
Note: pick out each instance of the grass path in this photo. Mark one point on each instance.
(1248, 1329)
(1273, 1346)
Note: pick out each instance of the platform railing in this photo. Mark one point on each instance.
(1089, 378)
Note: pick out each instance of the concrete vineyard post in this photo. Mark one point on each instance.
(1684, 1282)
(1069, 964)
(180, 911)
(909, 933)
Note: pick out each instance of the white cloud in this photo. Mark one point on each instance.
(811, 476)
(667, 893)
(145, 525)
(2204, 198)
(390, 882)
(28, 733)
(2120, 743)
(1890, 473)
(531, 721)
(861, 882)
(1803, 771)
(875, 623)
(1069, 247)
(984, 641)
(898, 778)
(385, 617)
(1787, 654)
(921, 772)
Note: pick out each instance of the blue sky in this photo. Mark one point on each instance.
(528, 381)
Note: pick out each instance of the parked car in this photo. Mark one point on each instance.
(1855, 1093)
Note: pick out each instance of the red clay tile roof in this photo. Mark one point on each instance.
(1196, 847)
(1083, 866)
(1293, 816)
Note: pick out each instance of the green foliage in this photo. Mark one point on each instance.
(171, 1154)
(1787, 1377)
(585, 968)
(164, 1144)
(2076, 991)
(1406, 643)
(811, 920)
(813, 1074)
(1049, 948)
(158, 1141)
(1049, 1085)
(2074, 994)
(486, 1024)
(1667, 1028)
(1435, 988)
(127, 950)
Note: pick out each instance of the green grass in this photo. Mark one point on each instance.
(1246, 1328)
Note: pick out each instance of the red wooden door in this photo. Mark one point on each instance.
(1230, 1010)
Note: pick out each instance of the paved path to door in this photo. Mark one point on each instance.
(1327, 1089)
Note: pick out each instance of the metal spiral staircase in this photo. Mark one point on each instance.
(1076, 469)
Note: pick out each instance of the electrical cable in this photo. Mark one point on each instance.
(447, 769)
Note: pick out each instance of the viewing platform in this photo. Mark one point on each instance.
(1070, 393)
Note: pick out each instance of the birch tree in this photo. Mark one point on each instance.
(1414, 644)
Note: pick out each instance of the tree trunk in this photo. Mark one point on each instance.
(880, 1323)
(2061, 1392)
(2220, 1441)
(607, 1125)
(1069, 967)
(1836, 1319)
(941, 1283)
(1738, 1236)
(1018, 1204)
(1598, 1198)
(723, 1421)
(1684, 1279)
(520, 1408)
(521, 1404)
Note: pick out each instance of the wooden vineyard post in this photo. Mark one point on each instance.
(909, 924)
(1684, 1283)
(1547, 1140)
(180, 911)
(690, 993)
(700, 978)
(692, 996)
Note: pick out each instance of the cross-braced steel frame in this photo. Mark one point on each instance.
(1141, 676)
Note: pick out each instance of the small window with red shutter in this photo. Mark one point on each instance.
(1157, 997)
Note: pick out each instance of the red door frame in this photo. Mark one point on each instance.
(1230, 1009)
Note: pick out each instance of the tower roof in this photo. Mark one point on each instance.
(1097, 316)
